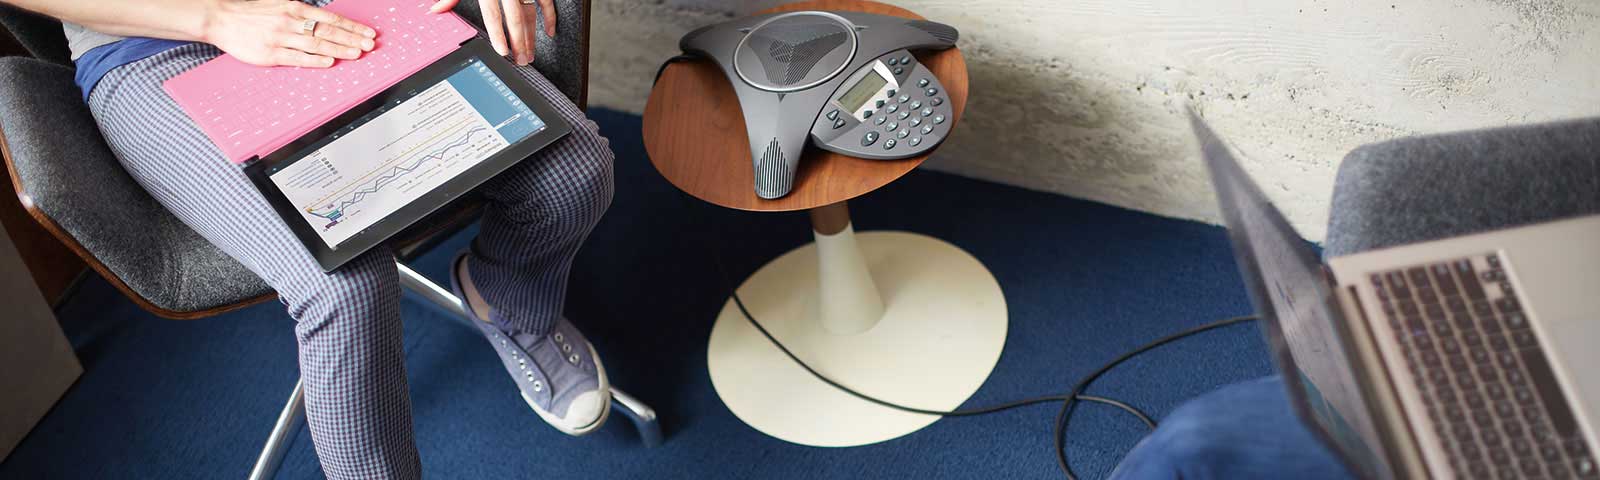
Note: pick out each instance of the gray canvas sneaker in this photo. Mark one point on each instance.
(559, 374)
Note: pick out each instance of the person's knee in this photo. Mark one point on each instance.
(1184, 446)
(573, 190)
(355, 294)
(1244, 430)
(593, 175)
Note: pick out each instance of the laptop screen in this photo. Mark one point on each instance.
(1298, 312)
(360, 174)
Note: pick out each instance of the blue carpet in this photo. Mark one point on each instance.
(1083, 282)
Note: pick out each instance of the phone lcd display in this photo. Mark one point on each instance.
(862, 91)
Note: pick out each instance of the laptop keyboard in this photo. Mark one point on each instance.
(1490, 393)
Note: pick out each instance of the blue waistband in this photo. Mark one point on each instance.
(94, 64)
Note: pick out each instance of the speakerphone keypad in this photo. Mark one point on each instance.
(906, 115)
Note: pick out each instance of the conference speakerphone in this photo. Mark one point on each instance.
(845, 81)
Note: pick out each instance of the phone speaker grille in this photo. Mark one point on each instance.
(788, 52)
(774, 173)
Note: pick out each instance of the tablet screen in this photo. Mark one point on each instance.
(358, 175)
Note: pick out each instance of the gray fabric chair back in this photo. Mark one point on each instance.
(1388, 193)
(41, 36)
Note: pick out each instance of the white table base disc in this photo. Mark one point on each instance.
(941, 333)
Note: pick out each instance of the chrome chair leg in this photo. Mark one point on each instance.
(293, 414)
(643, 417)
(289, 421)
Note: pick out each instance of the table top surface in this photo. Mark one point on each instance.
(693, 98)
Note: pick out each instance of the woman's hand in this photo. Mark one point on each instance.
(514, 17)
(268, 32)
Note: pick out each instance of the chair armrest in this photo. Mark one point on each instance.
(564, 59)
(71, 183)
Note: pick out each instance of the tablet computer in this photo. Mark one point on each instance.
(371, 172)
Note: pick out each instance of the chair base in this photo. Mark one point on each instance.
(293, 415)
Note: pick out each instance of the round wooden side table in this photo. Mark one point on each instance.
(896, 315)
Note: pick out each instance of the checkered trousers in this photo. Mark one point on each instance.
(348, 323)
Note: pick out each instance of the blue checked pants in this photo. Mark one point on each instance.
(347, 323)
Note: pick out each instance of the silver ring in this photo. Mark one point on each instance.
(530, 2)
(308, 26)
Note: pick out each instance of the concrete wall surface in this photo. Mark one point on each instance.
(1084, 97)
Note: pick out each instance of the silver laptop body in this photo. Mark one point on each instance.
(1471, 357)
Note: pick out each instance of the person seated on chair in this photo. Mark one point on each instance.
(347, 323)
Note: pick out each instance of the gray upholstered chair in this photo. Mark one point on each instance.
(69, 181)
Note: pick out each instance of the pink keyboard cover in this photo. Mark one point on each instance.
(251, 111)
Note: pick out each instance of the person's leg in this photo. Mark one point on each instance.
(347, 322)
(1241, 431)
(539, 213)
(515, 277)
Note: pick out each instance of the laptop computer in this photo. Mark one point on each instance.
(351, 155)
(1465, 357)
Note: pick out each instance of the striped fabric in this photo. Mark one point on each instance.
(348, 323)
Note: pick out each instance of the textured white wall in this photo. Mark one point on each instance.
(1084, 97)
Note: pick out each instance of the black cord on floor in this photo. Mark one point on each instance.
(1068, 401)
(1065, 414)
(943, 413)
